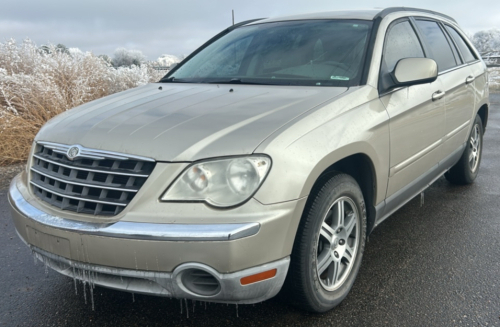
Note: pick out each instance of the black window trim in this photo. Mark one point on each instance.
(438, 22)
(458, 49)
(453, 45)
(380, 71)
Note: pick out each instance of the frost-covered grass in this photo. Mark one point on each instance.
(36, 85)
(494, 79)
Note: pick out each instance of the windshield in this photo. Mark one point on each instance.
(307, 52)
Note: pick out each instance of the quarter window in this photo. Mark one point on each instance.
(464, 49)
(401, 42)
(440, 49)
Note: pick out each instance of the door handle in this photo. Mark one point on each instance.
(438, 95)
(469, 79)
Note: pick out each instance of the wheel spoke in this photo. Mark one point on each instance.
(340, 213)
(348, 253)
(350, 224)
(327, 232)
(471, 156)
(333, 272)
(324, 261)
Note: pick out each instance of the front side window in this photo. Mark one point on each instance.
(467, 54)
(440, 49)
(401, 42)
(309, 52)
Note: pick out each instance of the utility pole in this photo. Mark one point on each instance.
(233, 16)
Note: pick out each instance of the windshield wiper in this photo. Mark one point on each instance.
(174, 80)
(234, 81)
(225, 81)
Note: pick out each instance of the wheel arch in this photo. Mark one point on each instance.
(483, 113)
(361, 167)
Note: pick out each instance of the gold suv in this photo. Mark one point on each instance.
(260, 162)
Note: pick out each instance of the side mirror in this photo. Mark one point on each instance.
(411, 71)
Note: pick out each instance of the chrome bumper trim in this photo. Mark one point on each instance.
(170, 284)
(131, 230)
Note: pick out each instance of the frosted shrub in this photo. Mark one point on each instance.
(37, 84)
(494, 73)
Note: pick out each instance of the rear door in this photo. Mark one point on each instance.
(417, 123)
(457, 79)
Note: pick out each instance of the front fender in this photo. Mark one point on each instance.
(302, 151)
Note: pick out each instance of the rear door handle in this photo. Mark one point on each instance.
(438, 95)
(469, 79)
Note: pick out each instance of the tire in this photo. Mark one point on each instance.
(327, 253)
(466, 169)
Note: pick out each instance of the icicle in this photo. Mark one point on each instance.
(181, 305)
(74, 279)
(187, 308)
(84, 291)
(237, 315)
(121, 278)
(421, 199)
(92, 297)
(133, 297)
(135, 258)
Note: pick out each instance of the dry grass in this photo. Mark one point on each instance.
(35, 86)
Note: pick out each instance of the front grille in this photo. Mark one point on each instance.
(95, 182)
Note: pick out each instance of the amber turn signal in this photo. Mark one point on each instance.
(258, 277)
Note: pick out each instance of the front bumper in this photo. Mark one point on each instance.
(151, 258)
(170, 284)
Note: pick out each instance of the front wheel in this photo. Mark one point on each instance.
(329, 245)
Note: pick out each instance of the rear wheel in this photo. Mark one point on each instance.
(466, 169)
(329, 245)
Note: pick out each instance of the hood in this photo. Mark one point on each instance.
(184, 122)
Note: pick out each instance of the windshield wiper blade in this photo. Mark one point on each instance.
(235, 81)
(166, 80)
(174, 80)
(225, 81)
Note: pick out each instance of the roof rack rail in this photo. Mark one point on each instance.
(390, 10)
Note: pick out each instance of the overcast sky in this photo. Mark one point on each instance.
(178, 27)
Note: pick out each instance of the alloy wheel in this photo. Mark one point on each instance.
(337, 243)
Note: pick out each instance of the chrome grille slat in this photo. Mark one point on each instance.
(99, 183)
(89, 169)
(74, 182)
(75, 197)
(63, 148)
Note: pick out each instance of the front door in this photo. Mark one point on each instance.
(417, 113)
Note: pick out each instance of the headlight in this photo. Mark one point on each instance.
(221, 183)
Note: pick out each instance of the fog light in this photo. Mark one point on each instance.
(200, 282)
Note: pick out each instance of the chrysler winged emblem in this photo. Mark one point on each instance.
(73, 152)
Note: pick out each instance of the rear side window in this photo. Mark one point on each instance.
(467, 54)
(401, 42)
(440, 49)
